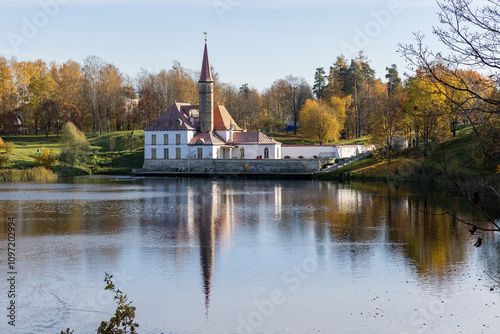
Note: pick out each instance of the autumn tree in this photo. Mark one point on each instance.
(6, 86)
(184, 84)
(427, 110)
(69, 95)
(249, 107)
(467, 31)
(470, 32)
(8, 117)
(5, 150)
(320, 122)
(46, 158)
(296, 92)
(74, 145)
(92, 71)
(112, 94)
(388, 119)
(146, 107)
(355, 79)
(274, 101)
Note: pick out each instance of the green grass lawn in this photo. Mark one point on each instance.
(103, 158)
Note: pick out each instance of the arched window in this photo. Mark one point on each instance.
(266, 153)
(242, 153)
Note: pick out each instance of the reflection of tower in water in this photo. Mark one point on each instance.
(206, 202)
(215, 219)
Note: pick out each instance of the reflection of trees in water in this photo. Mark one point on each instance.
(412, 225)
(359, 216)
(183, 217)
(435, 242)
(489, 254)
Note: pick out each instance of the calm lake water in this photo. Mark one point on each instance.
(246, 256)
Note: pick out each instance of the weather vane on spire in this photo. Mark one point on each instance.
(205, 35)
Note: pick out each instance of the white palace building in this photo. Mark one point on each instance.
(200, 137)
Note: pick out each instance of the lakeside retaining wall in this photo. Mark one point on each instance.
(237, 165)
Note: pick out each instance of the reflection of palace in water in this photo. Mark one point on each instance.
(211, 214)
(203, 215)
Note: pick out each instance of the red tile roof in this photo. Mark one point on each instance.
(223, 120)
(175, 118)
(206, 138)
(252, 138)
(206, 74)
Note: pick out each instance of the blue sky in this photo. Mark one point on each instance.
(250, 41)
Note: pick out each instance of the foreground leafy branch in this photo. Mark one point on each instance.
(123, 320)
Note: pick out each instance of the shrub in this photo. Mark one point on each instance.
(46, 159)
(4, 158)
(9, 147)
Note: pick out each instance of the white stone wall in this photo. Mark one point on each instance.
(309, 151)
(237, 165)
(322, 151)
(347, 151)
(252, 151)
(223, 134)
(186, 136)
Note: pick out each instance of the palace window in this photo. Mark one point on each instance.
(165, 153)
(153, 139)
(266, 153)
(177, 153)
(200, 153)
(242, 153)
(165, 139)
(177, 139)
(153, 153)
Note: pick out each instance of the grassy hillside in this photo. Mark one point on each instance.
(456, 154)
(103, 160)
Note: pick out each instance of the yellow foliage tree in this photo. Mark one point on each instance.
(321, 122)
(427, 110)
(46, 159)
(387, 119)
(4, 158)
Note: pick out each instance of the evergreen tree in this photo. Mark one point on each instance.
(319, 83)
(393, 79)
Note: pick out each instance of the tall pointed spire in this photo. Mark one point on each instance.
(206, 73)
(206, 89)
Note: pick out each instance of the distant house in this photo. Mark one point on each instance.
(289, 126)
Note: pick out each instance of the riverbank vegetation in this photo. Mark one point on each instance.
(116, 153)
(30, 174)
(413, 165)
